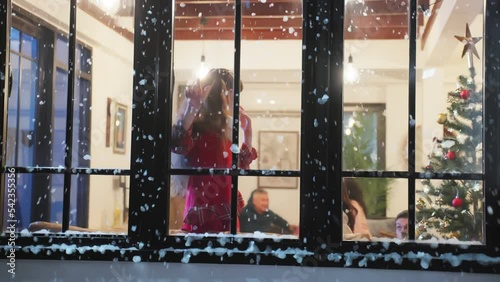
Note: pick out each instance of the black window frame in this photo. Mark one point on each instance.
(320, 242)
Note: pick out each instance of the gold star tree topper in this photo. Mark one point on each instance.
(469, 46)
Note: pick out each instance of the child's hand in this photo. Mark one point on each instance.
(246, 125)
(195, 95)
(245, 121)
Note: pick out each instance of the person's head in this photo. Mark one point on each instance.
(352, 191)
(402, 225)
(259, 200)
(216, 110)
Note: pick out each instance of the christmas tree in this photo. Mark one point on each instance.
(452, 208)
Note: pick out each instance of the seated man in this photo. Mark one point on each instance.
(402, 225)
(256, 216)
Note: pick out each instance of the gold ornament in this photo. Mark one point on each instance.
(442, 118)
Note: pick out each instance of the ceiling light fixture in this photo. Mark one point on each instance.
(203, 68)
(111, 7)
(351, 74)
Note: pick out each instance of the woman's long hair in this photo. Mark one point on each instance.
(351, 191)
(215, 112)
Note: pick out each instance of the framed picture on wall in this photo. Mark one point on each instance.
(278, 150)
(119, 125)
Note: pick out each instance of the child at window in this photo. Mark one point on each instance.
(203, 134)
(354, 208)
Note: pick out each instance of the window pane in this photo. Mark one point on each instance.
(364, 137)
(103, 90)
(372, 208)
(100, 203)
(15, 42)
(35, 203)
(450, 96)
(268, 211)
(376, 74)
(203, 207)
(29, 46)
(204, 41)
(62, 50)
(21, 135)
(60, 102)
(13, 113)
(272, 212)
(450, 211)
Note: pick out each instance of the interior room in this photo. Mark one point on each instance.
(375, 95)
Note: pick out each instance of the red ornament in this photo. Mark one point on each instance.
(450, 155)
(429, 167)
(465, 94)
(457, 202)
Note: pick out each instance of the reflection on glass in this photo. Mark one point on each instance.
(373, 208)
(450, 211)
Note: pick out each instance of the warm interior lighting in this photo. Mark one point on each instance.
(109, 6)
(351, 74)
(203, 69)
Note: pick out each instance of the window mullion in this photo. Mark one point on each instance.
(149, 175)
(492, 129)
(236, 111)
(321, 122)
(412, 74)
(68, 149)
(5, 13)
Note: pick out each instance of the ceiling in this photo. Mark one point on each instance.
(282, 19)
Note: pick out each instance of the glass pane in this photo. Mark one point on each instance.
(104, 84)
(450, 91)
(21, 135)
(62, 49)
(29, 46)
(203, 42)
(15, 41)
(374, 208)
(364, 137)
(82, 123)
(99, 203)
(375, 84)
(200, 203)
(32, 202)
(450, 211)
(60, 101)
(269, 212)
(13, 114)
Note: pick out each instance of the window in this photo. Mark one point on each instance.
(295, 90)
